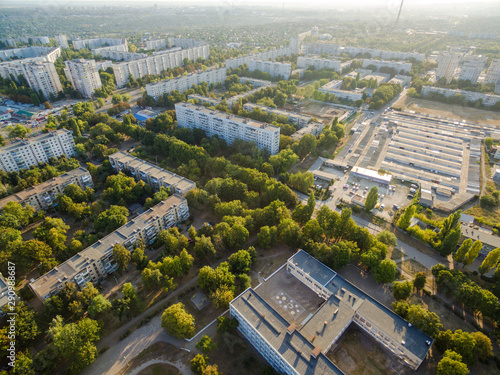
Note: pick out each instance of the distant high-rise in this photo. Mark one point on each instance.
(447, 64)
(493, 74)
(472, 68)
(84, 76)
(62, 41)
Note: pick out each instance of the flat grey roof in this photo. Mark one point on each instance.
(312, 267)
(35, 139)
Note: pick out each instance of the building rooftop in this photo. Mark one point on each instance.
(234, 118)
(323, 323)
(44, 186)
(154, 171)
(36, 139)
(64, 272)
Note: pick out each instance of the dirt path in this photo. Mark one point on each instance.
(183, 369)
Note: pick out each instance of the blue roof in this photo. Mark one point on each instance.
(140, 117)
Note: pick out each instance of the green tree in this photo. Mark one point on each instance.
(371, 199)
(386, 271)
(450, 242)
(241, 261)
(222, 296)
(139, 258)
(307, 144)
(290, 233)
(473, 252)
(98, 305)
(111, 219)
(420, 280)
(402, 290)
(122, 256)
(204, 248)
(117, 98)
(483, 348)
(199, 364)
(420, 317)
(387, 238)
(206, 344)
(459, 255)
(404, 221)
(237, 236)
(22, 215)
(17, 131)
(488, 142)
(452, 364)
(177, 321)
(490, 261)
(129, 291)
(75, 341)
(267, 237)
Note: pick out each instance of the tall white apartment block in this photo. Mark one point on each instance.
(62, 41)
(447, 65)
(98, 42)
(151, 174)
(97, 261)
(156, 44)
(472, 68)
(157, 63)
(228, 127)
(267, 55)
(84, 76)
(184, 83)
(305, 62)
(42, 76)
(398, 66)
(31, 151)
(43, 196)
(493, 74)
(275, 69)
(34, 52)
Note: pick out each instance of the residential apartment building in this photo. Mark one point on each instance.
(472, 96)
(295, 118)
(235, 99)
(43, 196)
(333, 88)
(62, 41)
(185, 43)
(275, 69)
(156, 44)
(472, 68)
(119, 55)
(228, 127)
(183, 83)
(84, 76)
(98, 42)
(151, 174)
(96, 261)
(117, 48)
(322, 48)
(447, 65)
(281, 319)
(157, 63)
(315, 128)
(42, 76)
(398, 66)
(493, 73)
(389, 55)
(305, 62)
(40, 53)
(335, 49)
(105, 64)
(268, 55)
(255, 82)
(31, 151)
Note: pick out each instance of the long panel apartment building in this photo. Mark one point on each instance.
(335, 49)
(472, 96)
(183, 83)
(156, 44)
(40, 53)
(267, 55)
(275, 69)
(493, 73)
(157, 63)
(96, 261)
(228, 127)
(398, 66)
(43, 196)
(304, 62)
(296, 118)
(151, 174)
(31, 151)
(84, 76)
(98, 42)
(297, 315)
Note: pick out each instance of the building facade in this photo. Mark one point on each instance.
(34, 52)
(151, 174)
(398, 66)
(96, 262)
(472, 68)
(493, 73)
(84, 76)
(228, 127)
(333, 88)
(267, 55)
(98, 42)
(255, 82)
(31, 151)
(295, 118)
(156, 44)
(183, 83)
(472, 96)
(447, 65)
(62, 41)
(43, 196)
(42, 76)
(157, 63)
(318, 63)
(275, 69)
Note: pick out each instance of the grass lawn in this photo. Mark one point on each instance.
(412, 267)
